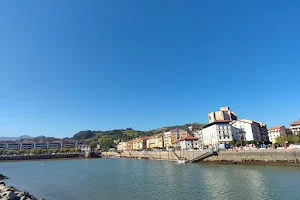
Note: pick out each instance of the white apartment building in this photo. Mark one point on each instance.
(275, 132)
(168, 139)
(199, 136)
(249, 130)
(122, 146)
(295, 126)
(218, 132)
(188, 143)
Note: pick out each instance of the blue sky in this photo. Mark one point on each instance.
(67, 66)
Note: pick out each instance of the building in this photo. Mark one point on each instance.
(168, 140)
(68, 143)
(136, 144)
(218, 132)
(27, 146)
(41, 145)
(264, 132)
(288, 131)
(199, 136)
(2, 146)
(275, 132)
(12, 146)
(295, 126)
(156, 141)
(177, 134)
(122, 146)
(83, 147)
(187, 143)
(54, 145)
(223, 114)
(247, 130)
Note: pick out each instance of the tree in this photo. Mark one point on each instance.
(279, 140)
(82, 135)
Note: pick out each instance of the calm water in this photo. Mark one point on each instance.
(113, 179)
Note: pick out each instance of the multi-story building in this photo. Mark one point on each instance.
(54, 145)
(27, 145)
(288, 131)
(247, 130)
(199, 136)
(187, 143)
(177, 134)
(2, 146)
(156, 141)
(276, 131)
(12, 146)
(136, 144)
(218, 132)
(69, 143)
(295, 126)
(168, 140)
(122, 146)
(223, 114)
(40, 145)
(264, 132)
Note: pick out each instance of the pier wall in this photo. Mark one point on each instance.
(160, 155)
(257, 156)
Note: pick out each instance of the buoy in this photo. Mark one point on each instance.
(42, 164)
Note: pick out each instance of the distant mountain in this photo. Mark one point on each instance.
(16, 138)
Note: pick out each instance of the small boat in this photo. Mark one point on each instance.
(139, 158)
(181, 161)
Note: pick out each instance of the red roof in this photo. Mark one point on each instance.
(275, 127)
(189, 137)
(297, 122)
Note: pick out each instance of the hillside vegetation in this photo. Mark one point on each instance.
(110, 138)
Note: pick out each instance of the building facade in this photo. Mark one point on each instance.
(223, 114)
(247, 130)
(199, 136)
(156, 141)
(276, 131)
(218, 132)
(168, 140)
(187, 143)
(122, 146)
(295, 126)
(177, 134)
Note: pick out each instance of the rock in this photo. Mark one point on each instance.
(23, 198)
(6, 189)
(9, 195)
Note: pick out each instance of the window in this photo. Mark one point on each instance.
(220, 137)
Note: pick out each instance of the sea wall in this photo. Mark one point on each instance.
(42, 156)
(160, 155)
(283, 156)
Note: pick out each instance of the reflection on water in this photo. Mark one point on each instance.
(143, 179)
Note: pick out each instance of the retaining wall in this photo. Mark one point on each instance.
(257, 156)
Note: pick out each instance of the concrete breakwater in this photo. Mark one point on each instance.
(266, 156)
(40, 156)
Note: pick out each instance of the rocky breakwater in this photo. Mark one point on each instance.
(11, 193)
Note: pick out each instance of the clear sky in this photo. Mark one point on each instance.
(68, 65)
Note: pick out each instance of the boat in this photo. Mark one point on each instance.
(139, 158)
(181, 161)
